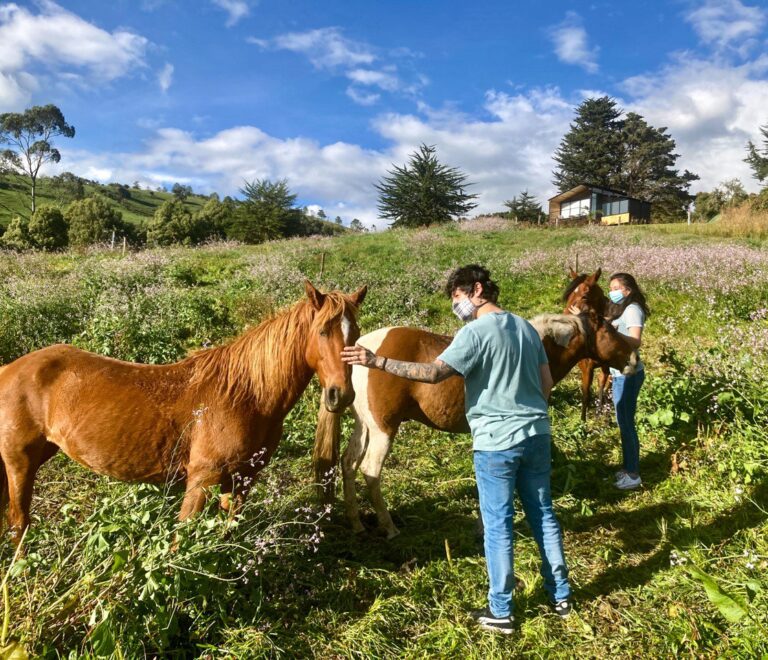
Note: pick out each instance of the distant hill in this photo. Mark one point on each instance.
(136, 204)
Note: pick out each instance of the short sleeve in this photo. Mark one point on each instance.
(634, 317)
(463, 353)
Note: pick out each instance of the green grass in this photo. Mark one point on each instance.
(97, 578)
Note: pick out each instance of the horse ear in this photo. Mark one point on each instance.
(592, 279)
(359, 295)
(315, 297)
(572, 273)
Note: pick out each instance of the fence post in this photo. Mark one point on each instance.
(322, 265)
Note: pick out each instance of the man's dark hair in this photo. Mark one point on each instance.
(464, 279)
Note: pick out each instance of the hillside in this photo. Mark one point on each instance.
(677, 568)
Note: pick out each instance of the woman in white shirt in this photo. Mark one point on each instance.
(626, 294)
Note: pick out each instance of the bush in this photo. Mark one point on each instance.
(16, 236)
(48, 229)
(173, 224)
(92, 220)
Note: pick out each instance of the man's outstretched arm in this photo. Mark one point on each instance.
(423, 372)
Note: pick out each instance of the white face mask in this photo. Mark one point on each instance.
(464, 309)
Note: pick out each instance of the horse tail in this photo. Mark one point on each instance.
(325, 456)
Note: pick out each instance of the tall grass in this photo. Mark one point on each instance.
(677, 568)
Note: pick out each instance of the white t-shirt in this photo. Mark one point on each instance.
(633, 316)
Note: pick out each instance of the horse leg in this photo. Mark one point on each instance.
(379, 445)
(602, 382)
(587, 375)
(199, 479)
(21, 468)
(350, 462)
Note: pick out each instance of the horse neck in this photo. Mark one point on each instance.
(576, 351)
(267, 365)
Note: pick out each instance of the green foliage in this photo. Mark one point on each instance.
(356, 225)
(524, 208)
(590, 152)
(29, 135)
(174, 224)
(48, 229)
(92, 220)
(180, 191)
(423, 192)
(16, 236)
(757, 158)
(728, 194)
(267, 212)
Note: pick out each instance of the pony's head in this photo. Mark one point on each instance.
(584, 292)
(611, 348)
(334, 325)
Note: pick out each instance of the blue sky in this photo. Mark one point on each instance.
(330, 94)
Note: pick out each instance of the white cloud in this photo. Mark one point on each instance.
(236, 10)
(326, 48)
(711, 109)
(572, 45)
(55, 40)
(329, 50)
(165, 77)
(727, 23)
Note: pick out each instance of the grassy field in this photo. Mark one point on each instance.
(676, 568)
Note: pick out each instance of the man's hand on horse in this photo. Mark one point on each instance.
(358, 355)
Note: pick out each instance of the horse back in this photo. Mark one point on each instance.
(390, 400)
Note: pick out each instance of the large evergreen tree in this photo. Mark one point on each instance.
(758, 158)
(591, 150)
(647, 169)
(423, 192)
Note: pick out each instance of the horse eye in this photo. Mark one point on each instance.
(323, 333)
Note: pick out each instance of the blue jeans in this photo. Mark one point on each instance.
(625, 392)
(526, 467)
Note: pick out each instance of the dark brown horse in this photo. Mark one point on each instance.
(584, 293)
(214, 418)
(383, 401)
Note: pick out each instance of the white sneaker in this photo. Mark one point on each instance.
(626, 482)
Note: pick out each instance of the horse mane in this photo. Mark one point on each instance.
(264, 359)
(572, 286)
(559, 327)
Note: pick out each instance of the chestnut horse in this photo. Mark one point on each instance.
(584, 294)
(215, 418)
(384, 401)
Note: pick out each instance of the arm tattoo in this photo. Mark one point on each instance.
(424, 372)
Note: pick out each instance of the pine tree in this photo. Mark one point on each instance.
(647, 169)
(267, 212)
(758, 158)
(524, 208)
(591, 150)
(423, 192)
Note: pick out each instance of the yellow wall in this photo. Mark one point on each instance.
(617, 219)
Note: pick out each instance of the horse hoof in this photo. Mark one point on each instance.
(392, 533)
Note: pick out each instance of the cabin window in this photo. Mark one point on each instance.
(575, 209)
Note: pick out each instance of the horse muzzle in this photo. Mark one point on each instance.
(337, 399)
(631, 368)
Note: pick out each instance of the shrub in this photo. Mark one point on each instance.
(48, 229)
(173, 223)
(16, 236)
(92, 220)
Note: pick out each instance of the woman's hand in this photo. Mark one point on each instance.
(574, 310)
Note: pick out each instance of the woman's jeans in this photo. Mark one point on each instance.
(526, 467)
(625, 392)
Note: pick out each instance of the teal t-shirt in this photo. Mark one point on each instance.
(500, 355)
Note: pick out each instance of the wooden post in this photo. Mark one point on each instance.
(322, 265)
(124, 240)
(112, 243)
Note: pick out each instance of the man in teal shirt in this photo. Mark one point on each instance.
(507, 384)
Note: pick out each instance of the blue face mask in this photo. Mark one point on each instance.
(616, 296)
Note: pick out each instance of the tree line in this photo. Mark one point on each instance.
(603, 147)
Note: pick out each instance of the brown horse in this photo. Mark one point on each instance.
(214, 418)
(384, 401)
(584, 293)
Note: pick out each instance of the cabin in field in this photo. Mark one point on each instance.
(586, 203)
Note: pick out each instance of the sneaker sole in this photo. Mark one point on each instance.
(503, 631)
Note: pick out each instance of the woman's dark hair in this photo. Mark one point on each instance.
(635, 293)
(464, 279)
